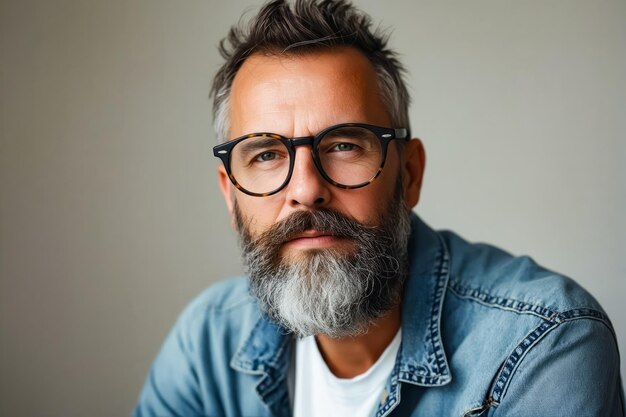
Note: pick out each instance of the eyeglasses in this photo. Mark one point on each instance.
(347, 155)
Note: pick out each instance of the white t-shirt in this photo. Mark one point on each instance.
(319, 393)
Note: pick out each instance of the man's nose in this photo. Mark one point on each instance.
(307, 188)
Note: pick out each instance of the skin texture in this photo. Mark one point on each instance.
(300, 95)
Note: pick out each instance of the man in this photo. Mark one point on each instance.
(353, 305)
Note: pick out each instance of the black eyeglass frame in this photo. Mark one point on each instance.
(384, 135)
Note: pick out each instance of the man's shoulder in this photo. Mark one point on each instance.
(508, 322)
(490, 275)
(191, 373)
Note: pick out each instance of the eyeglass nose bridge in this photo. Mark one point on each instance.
(303, 141)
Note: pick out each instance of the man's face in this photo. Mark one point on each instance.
(300, 95)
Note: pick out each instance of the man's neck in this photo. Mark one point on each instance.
(352, 356)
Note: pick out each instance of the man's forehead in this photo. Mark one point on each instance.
(278, 91)
(341, 59)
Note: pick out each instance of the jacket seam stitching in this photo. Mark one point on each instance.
(443, 277)
(503, 303)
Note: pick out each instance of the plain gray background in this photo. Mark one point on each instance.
(110, 216)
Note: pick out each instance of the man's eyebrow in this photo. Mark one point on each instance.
(257, 143)
(351, 132)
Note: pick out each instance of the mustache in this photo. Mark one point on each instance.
(325, 220)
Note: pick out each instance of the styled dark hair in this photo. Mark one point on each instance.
(305, 26)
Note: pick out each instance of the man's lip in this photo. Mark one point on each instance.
(314, 239)
(310, 234)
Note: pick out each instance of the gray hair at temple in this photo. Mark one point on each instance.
(305, 26)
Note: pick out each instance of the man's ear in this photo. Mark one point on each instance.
(414, 164)
(226, 188)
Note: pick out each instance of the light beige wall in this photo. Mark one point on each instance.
(110, 218)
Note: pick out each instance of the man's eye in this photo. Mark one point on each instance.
(343, 147)
(266, 156)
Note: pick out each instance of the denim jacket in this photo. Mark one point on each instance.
(483, 334)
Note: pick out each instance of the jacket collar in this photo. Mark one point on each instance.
(421, 359)
(266, 352)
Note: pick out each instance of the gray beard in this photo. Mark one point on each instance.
(326, 291)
